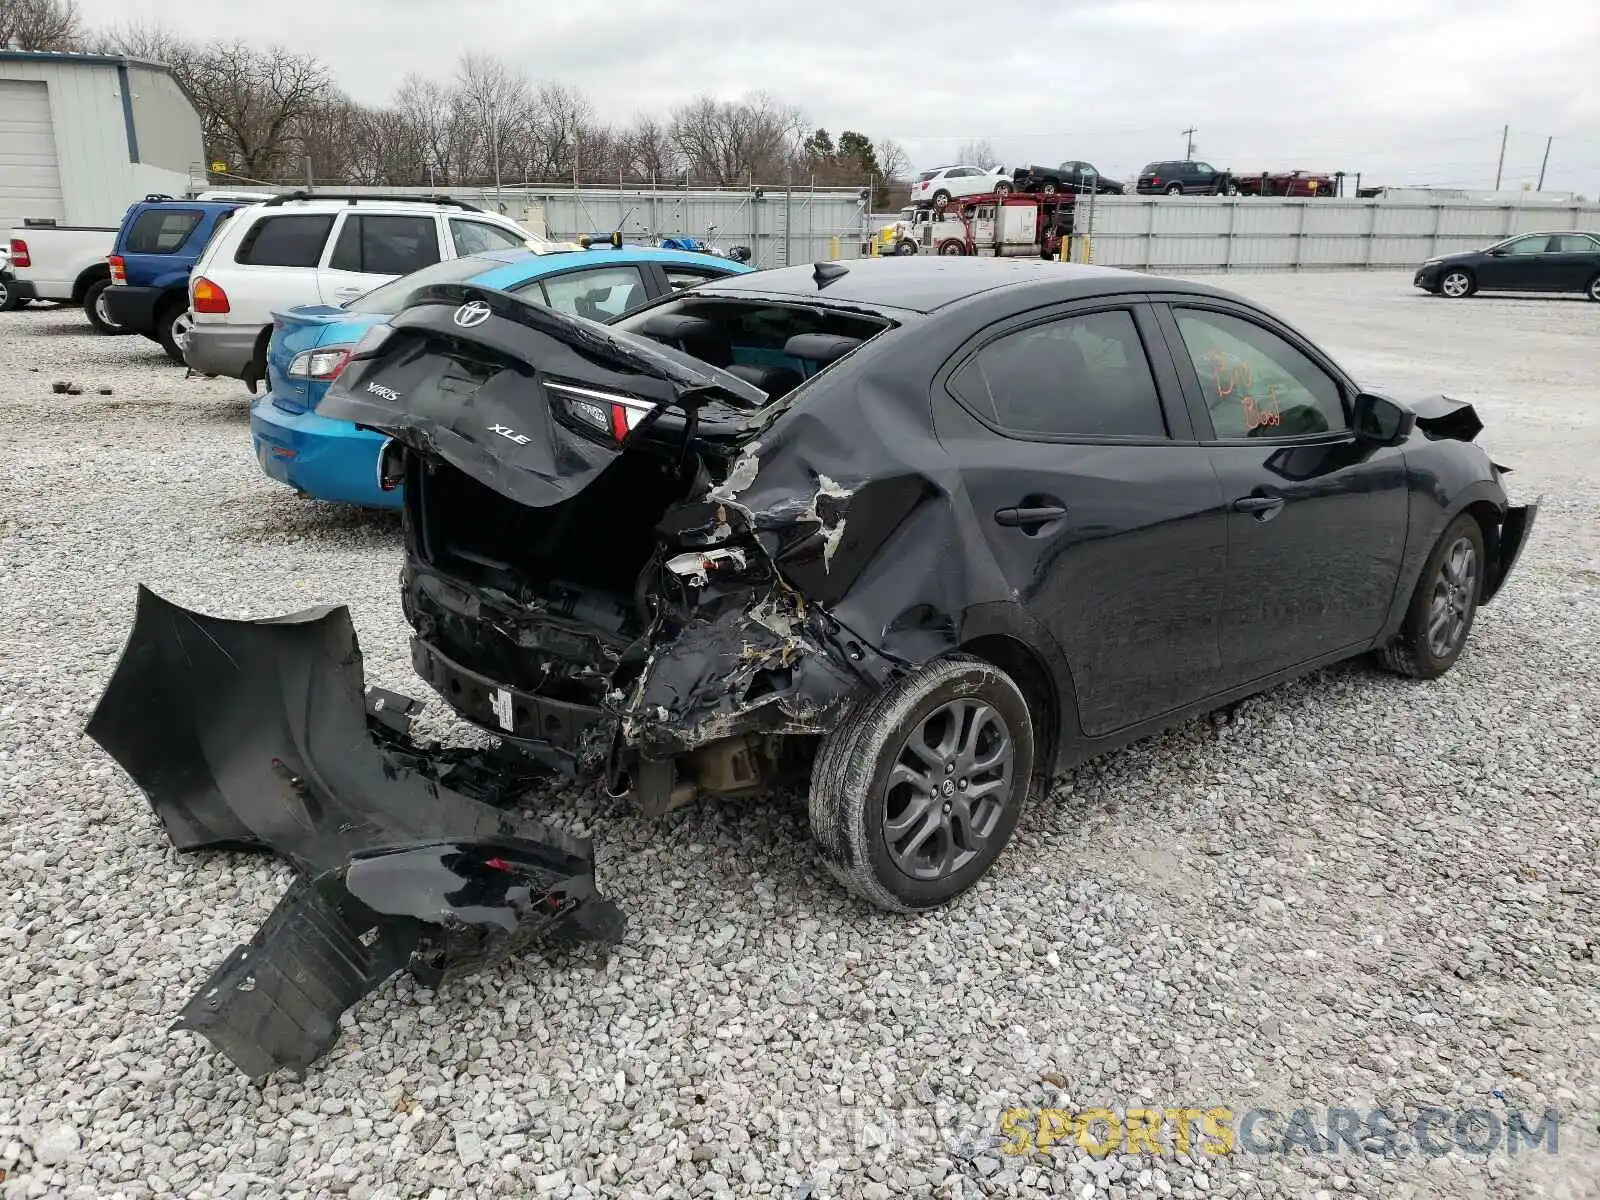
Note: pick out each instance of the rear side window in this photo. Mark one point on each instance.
(1081, 376)
(160, 231)
(391, 297)
(291, 240)
(386, 245)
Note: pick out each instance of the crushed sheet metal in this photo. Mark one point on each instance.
(255, 735)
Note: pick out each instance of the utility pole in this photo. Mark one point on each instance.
(1500, 167)
(1188, 149)
(1545, 163)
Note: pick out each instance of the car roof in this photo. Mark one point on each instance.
(507, 266)
(925, 283)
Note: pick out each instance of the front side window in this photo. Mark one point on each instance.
(1081, 376)
(291, 240)
(160, 231)
(1256, 384)
(1204, 169)
(601, 294)
(1534, 244)
(371, 244)
(479, 237)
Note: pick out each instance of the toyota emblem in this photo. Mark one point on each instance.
(474, 312)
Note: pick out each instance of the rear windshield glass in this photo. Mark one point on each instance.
(160, 231)
(1150, 168)
(752, 338)
(396, 294)
(925, 176)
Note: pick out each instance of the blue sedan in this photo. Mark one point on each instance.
(333, 460)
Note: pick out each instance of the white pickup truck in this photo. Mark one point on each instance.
(66, 263)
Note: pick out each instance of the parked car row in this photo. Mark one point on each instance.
(938, 187)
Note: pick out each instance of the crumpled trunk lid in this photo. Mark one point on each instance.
(529, 401)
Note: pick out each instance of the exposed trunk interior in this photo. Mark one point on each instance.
(598, 541)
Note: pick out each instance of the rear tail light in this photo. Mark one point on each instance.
(19, 253)
(119, 272)
(324, 363)
(208, 297)
(606, 413)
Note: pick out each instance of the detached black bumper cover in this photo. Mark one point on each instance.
(134, 307)
(255, 735)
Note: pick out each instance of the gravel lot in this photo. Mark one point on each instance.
(1359, 892)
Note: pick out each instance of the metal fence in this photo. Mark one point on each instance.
(780, 224)
(1256, 234)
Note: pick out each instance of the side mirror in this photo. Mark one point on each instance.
(1381, 422)
(1496, 251)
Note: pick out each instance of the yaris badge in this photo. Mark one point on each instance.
(474, 312)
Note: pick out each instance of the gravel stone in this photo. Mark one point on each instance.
(1353, 891)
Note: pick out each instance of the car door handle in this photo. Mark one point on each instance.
(1021, 518)
(1263, 507)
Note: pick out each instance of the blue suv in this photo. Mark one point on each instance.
(160, 240)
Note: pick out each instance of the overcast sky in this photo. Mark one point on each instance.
(1404, 91)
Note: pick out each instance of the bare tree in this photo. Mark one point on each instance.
(253, 101)
(730, 142)
(492, 92)
(649, 151)
(977, 153)
(39, 25)
(154, 42)
(424, 106)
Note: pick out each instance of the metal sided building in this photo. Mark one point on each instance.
(82, 136)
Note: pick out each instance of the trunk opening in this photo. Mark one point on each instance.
(599, 540)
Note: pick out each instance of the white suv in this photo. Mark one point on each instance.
(944, 184)
(310, 249)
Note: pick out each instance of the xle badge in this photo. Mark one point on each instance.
(500, 701)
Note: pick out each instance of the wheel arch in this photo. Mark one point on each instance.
(87, 277)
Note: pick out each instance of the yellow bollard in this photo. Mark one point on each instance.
(833, 249)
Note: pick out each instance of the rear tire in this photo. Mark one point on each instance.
(172, 328)
(1442, 608)
(1175, 189)
(941, 198)
(10, 301)
(878, 768)
(94, 307)
(1593, 290)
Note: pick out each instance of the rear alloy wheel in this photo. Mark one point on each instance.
(1457, 284)
(95, 308)
(8, 296)
(1174, 189)
(941, 198)
(919, 788)
(1440, 616)
(1593, 290)
(1049, 187)
(172, 330)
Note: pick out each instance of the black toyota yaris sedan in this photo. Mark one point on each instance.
(937, 528)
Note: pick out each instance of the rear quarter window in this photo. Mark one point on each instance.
(160, 231)
(287, 240)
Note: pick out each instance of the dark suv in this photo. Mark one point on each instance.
(1185, 179)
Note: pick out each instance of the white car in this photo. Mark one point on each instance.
(940, 186)
(310, 249)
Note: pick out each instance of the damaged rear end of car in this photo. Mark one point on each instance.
(585, 574)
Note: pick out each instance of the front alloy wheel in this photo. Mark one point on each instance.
(1439, 617)
(918, 789)
(1456, 284)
